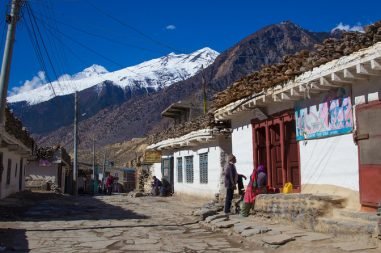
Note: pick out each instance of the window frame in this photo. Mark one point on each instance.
(203, 166)
(180, 176)
(189, 170)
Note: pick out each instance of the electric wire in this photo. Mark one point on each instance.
(131, 27)
(43, 44)
(99, 35)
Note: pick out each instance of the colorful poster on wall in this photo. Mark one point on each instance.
(326, 115)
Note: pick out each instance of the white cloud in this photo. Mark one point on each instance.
(37, 81)
(355, 28)
(170, 27)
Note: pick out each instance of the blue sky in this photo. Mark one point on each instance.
(129, 32)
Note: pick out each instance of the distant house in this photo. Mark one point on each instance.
(192, 153)
(49, 169)
(313, 120)
(15, 147)
(124, 179)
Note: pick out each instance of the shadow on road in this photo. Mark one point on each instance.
(13, 240)
(46, 206)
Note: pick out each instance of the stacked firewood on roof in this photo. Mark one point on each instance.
(293, 65)
(202, 122)
(46, 153)
(14, 127)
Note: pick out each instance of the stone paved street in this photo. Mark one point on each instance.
(119, 223)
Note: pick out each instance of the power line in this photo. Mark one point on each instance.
(100, 36)
(132, 28)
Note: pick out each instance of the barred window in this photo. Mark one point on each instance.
(204, 168)
(180, 169)
(189, 169)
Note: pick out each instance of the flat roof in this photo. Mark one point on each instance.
(175, 110)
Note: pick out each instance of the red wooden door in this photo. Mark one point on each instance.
(261, 146)
(292, 155)
(369, 143)
(276, 157)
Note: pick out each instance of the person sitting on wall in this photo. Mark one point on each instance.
(257, 185)
(165, 189)
(156, 184)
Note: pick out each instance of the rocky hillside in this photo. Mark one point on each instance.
(140, 116)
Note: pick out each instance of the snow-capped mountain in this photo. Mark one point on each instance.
(154, 74)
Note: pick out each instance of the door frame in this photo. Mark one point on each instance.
(276, 119)
(358, 108)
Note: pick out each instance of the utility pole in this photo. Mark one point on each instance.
(203, 89)
(104, 170)
(94, 178)
(75, 165)
(11, 19)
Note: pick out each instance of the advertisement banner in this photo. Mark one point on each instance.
(152, 157)
(328, 114)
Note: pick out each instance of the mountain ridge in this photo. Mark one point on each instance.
(141, 116)
(153, 74)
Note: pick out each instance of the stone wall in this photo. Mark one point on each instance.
(300, 208)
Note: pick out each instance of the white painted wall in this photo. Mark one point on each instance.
(33, 169)
(216, 150)
(156, 170)
(332, 161)
(242, 143)
(13, 186)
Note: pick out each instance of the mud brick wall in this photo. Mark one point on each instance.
(300, 208)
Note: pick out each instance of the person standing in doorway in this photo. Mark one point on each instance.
(231, 177)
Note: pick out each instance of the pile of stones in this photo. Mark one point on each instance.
(202, 122)
(294, 65)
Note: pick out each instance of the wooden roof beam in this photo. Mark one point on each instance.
(375, 64)
(295, 94)
(362, 69)
(285, 96)
(352, 75)
(336, 79)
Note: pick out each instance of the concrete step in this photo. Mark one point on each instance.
(346, 225)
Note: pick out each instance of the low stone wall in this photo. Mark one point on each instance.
(300, 208)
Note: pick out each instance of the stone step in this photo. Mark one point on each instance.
(344, 225)
(362, 216)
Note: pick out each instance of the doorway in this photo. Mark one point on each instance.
(275, 146)
(368, 138)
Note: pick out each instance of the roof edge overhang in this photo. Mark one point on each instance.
(336, 73)
(193, 138)
(12, 144)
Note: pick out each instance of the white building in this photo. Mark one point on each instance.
(320, 131)
(53, 167)
(13, 153)
(193, 162)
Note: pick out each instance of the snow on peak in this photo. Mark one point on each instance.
(93, 70)
(155, 74)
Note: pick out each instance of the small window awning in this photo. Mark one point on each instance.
(175, 110)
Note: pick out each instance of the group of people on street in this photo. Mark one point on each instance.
(105, 186)
(257, 185)
(160, 188)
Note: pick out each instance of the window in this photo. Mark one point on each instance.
(16, 170)
(9, 171)
(180, 169)
(204, 168)
(189, 169)
(1, 167)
